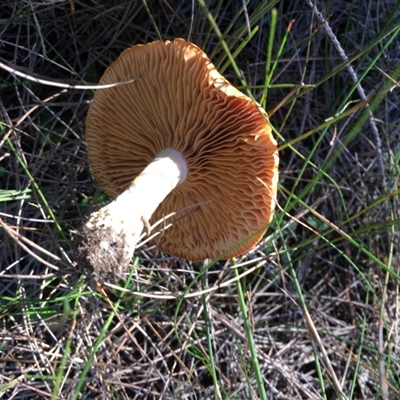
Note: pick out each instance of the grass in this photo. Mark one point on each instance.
(311, 313)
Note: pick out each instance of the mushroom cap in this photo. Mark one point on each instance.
(180, 101)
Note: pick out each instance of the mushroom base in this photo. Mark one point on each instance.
(103, 265)
(101, 251)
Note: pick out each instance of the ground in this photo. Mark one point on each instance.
(312, 312)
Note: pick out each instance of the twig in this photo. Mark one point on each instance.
(354, 77)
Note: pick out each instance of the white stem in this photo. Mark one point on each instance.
(147, 191)
(119, 224)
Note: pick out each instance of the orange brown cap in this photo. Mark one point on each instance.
(179, 101)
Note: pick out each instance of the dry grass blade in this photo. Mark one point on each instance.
(316, 340)
(22, 241)
(42, 81)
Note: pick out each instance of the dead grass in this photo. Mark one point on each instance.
(170, 330)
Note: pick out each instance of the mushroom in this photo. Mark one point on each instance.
(179, 139)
